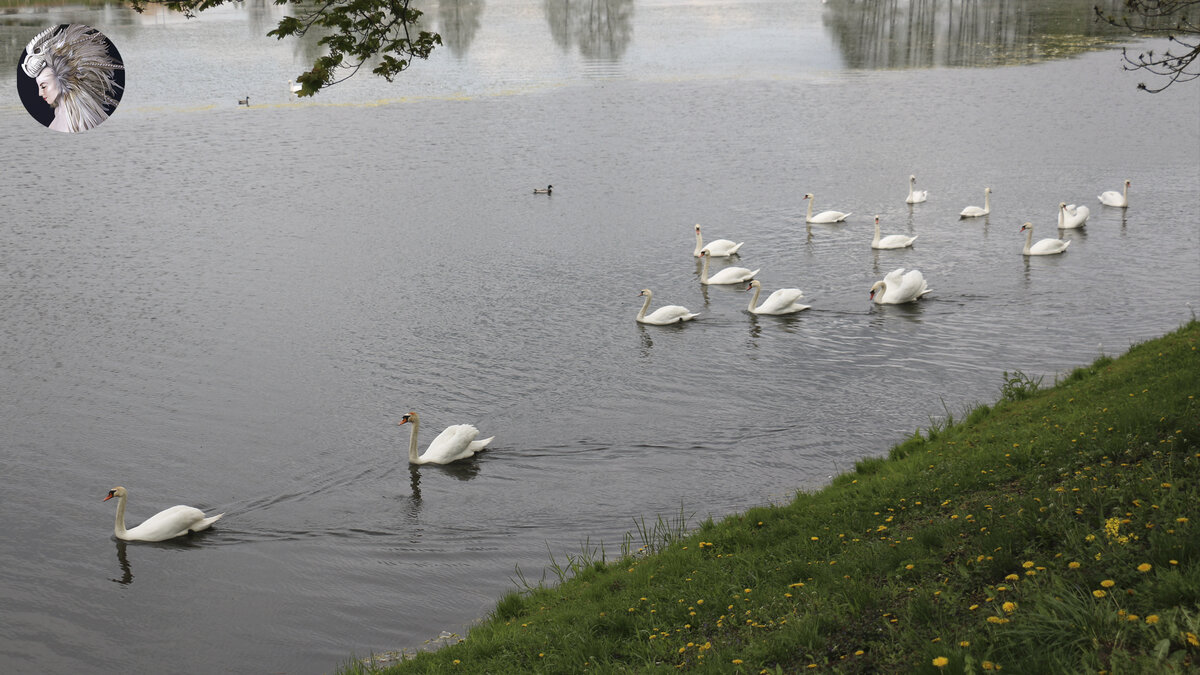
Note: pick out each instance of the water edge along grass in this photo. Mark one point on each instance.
(1055, 531)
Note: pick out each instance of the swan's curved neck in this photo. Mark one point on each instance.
(412, 443)
(808, 216)
(119, 528)
(704, 269)
(754, 300)
(1125, 191)
(881, 292)
(699, 244)
(1029, 238)
(875, 241)
(641, 315)
(987, 200)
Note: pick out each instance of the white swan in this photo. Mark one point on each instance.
(975, 211)
(824, 216)
(667, 314)
(1114, 198)
(1044, 246)
(782, 301)
(729, 275)
(892, 240)
(915, 196)
(899, 287)
(173, 522)
(1071, 216)
(719, 248)
(456, 442)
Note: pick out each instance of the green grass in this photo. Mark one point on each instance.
(1055, 531)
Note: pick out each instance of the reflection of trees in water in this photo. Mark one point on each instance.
(458, 21)
(601, 28)
(923, 33)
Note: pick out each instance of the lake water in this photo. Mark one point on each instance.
(232, 307)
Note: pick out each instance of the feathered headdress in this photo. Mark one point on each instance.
(83, 69)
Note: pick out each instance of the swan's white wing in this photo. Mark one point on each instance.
(173, 522)
(894, 278)
(1049, 246)
(732, 275)
(912, 286)
(669, 314)
(722, 248)
(782, 301)
(451, 445)
(896, 241)
(830, 217)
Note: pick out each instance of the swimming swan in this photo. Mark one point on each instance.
(720, 248)
(782, 301)
(824, 216)
(1071, 216)
(1114, 198)
(456, 442)
(173, 522)
(915, 196)
(729, 275)
(975, 211)
(667, 314)
(898, 287)
(892, 240)
(1044, 246)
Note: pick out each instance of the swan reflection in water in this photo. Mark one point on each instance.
(190, 541)
(123, 561)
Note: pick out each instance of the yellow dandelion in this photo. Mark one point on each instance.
(1027, 564)
(1073, 565)
(1009, 607)
(908, 567)
(1193, 640)
(737, 662)
(1145, 567)
(1011, 577)
(858, 652)
(1099, 594)
(988, 665)
(965, 643)
(1152, 619)
(1181, 520)
(1132, 617)
(1108, 583)
(941, 661)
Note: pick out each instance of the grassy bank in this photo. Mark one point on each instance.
(1056, 531)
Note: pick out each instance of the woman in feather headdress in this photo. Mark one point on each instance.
(75, 75)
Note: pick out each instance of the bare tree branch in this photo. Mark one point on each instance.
(1157, 18)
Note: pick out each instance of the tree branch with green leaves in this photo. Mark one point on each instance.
(1157, 18)
(354, 33)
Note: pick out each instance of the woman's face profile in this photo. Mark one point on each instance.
(47, 86)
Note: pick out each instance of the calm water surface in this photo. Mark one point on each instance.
(232, 307)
